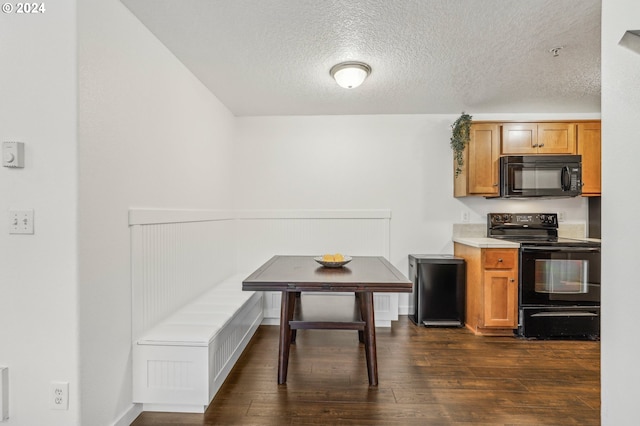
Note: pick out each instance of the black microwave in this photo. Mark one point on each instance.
(525, 176)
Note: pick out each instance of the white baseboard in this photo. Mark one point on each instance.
(129, 416)
(174, 408)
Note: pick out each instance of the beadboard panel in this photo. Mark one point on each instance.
(178, 254)
(172, 263)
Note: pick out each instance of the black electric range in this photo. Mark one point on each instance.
(559, 278)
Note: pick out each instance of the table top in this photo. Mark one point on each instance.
(303, 273)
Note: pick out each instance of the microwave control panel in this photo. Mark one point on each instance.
(574, 185)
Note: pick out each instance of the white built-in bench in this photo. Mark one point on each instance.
(181, 363)
(190, 318)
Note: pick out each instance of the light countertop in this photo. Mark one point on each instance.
(483, 242)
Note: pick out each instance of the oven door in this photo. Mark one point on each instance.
(560, 276)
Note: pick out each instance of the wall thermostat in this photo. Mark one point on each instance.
(13, 154)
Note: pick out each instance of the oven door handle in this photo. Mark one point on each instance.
(565, 314)
(563, 248)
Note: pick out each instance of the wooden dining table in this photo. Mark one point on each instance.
(363, 276)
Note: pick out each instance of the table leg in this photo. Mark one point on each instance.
(360, 332)
(286, 314)
(366, 307)
(294, 332)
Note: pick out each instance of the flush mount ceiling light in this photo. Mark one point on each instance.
(350, 74)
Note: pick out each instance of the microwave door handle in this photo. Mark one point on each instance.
(565, 178)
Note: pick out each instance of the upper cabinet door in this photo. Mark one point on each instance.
(538, 138)
(484, 154)
(519, 138)
(556, 138)
(589, 146)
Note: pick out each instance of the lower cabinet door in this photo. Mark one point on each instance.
(500, 299)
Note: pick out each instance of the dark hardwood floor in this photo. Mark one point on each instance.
(428, 376)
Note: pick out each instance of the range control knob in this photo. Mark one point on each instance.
(506, 217)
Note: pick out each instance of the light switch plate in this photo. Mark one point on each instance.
(13, 154)
(21, 221)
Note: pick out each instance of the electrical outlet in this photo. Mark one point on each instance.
(21, 221)
(561, 216)
(465, 216)
(59, 394)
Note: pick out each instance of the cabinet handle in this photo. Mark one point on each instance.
(535, 145)
(513, 280)
(495, 184)
(500, 260)
(541, 145)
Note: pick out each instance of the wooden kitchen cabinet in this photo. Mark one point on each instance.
(489, 141)
(491, 289)
(480, 172)
(538, 138)
(589, 146)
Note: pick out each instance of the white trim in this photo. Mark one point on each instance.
(129, 416)
(157, 216)
(313, 214)
(175, 408)
(152, 216)
(4, 393)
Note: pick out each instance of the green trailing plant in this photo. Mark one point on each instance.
(460, 131)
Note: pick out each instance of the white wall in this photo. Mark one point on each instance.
(620, 206)
(397, 162)
(151, 136)
(38, 278)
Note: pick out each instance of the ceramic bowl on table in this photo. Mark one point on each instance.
(333, 264)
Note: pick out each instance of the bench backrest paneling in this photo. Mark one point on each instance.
(179, 254)
(176, 256)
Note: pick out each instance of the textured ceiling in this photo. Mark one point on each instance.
(272, 57)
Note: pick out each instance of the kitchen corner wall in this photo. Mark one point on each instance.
(398, 162)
